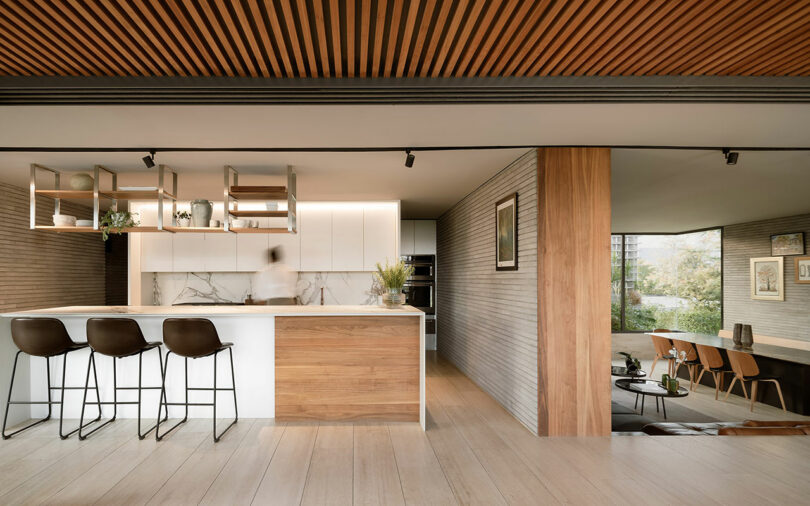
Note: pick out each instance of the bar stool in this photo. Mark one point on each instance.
(43, 337)
(194, 338)
(662, 347)
(117, 338)
(745, 369)
(712, 361)
(691, 362)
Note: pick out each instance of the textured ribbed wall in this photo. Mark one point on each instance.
(487, 320)
(789, 318)
(44, 269)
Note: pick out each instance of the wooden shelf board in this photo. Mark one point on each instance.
(251, 195)
(188, 230)
(260, 231)
(71, 194)
(91, 230)
(138, 195)
(258, 214)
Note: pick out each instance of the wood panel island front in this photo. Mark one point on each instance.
(291, 362)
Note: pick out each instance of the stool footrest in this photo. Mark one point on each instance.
(210, 388)
(187, 404)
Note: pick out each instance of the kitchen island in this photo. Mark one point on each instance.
(291, 362)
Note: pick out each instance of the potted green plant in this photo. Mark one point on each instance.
(113, 222)
(633, 365)
(183, 218)
(393, 278)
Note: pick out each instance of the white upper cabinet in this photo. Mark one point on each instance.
(290, 248)
(406, 237)
(424, 232)
(188, 252)
(251, 252)
(347, 239)
(315, 223)
(156, 252)
(219, 252)
(381, 235)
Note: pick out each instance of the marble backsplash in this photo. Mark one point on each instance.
(346, 288)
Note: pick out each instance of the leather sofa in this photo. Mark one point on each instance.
(746, 428)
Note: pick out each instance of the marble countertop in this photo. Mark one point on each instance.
(785, 353)
(210, 311)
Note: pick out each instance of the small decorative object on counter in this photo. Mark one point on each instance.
(665, 380)
(747, 337)
(213, 223)
(201, 211)
(115, 221)
(737, 336)
(674, 384)
(393, 278)
(81, 182)
(633, 364)
(183, 218)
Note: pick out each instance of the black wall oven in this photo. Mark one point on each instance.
(420, 287)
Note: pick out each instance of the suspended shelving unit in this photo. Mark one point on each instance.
(113, 194)
(233, 194)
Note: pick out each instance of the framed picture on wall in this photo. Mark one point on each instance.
(767, 278)
(506, 240)
(802, 270)
(787, 244)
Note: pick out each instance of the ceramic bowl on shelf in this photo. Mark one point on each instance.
(239, 223)
(81, 182)
(84, 223)
(64, 220)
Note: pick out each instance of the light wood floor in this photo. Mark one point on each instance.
(473, 452)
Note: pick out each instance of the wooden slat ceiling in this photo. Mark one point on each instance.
(404, 38)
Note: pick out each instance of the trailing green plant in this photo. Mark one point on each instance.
(631, 358)
(113, 222)
(393, 277)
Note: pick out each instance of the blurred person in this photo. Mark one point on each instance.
(274, 285)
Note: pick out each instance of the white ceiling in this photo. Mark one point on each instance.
(653, 190)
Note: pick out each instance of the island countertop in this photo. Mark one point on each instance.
(224, 310)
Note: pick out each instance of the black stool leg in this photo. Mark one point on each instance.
(9, 402)
(164, 402)
(143, 435)
(236, 417)
(92, 361)
(62, 403)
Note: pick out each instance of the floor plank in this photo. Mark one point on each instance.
(422, 478)
(284, 481)
(240, 478)
(331, 471)
(376, 478)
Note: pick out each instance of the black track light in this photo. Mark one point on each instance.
(149, 161)
(409, 158)
(730, 156)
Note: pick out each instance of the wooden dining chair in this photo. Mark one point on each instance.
(662, 346)
(745, 369)
(712, 361)
(691, 362)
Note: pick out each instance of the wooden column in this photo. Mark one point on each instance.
(573, 282)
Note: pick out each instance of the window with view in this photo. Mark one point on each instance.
(667, 281)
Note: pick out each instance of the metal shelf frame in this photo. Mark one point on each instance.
(231, 178)
(98, 193)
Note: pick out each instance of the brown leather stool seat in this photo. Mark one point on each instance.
(118, 338)
(46, 338)
(193, 338)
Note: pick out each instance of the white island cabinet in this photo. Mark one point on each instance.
(278, 364)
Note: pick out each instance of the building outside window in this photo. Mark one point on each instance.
(669, 281)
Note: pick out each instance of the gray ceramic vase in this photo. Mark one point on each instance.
(747, 337)
(737, 337)
(201, 211)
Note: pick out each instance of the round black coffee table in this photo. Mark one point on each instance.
(650, 387)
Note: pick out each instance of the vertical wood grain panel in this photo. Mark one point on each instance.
(487, 319)
(574, 291)
(41, 269)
